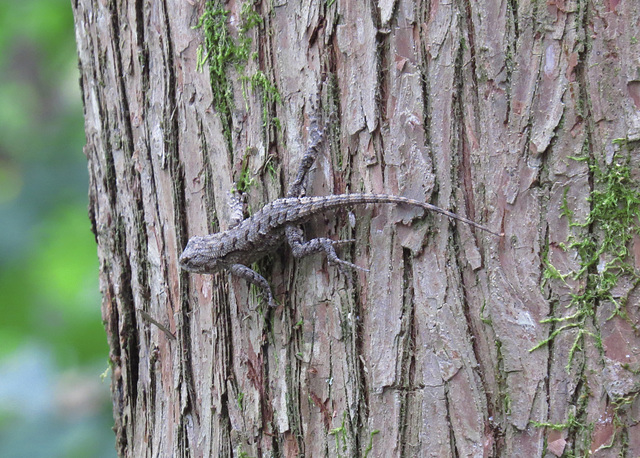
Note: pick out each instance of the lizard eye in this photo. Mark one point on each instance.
(201, 255)
(189, 258)
(185, 260)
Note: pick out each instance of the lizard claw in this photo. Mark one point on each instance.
(345, 267)
(271, 301)
(342, 242)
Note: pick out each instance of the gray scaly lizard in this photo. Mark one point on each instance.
(267, 229)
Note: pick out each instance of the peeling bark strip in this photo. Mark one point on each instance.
(522, 115)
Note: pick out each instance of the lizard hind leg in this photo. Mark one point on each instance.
(316, 135)
(235, 207)
(300, 249)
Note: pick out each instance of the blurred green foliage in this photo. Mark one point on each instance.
(53, 346)
(48, 267)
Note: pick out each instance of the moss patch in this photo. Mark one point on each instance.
(603, 250)
(612, 223)
(221, 51)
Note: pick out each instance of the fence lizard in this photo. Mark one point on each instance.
(265, 230)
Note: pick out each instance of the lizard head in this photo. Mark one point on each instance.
(202, 255)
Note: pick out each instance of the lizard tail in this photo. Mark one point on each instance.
(316, 204)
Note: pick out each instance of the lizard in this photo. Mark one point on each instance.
(252, 238)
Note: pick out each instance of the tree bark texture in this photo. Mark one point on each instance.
(513, 113)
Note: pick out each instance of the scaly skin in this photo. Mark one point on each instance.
(254, 237)
(251, 239)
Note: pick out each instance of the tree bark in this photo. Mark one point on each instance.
(515, 114)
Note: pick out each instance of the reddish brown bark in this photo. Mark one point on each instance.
(477, 107)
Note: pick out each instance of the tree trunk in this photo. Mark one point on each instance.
(521, 115)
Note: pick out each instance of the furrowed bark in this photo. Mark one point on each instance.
(516, 114)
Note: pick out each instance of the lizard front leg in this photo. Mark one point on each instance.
(255, 278)
(300, 248)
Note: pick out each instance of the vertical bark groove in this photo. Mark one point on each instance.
(480, 107)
